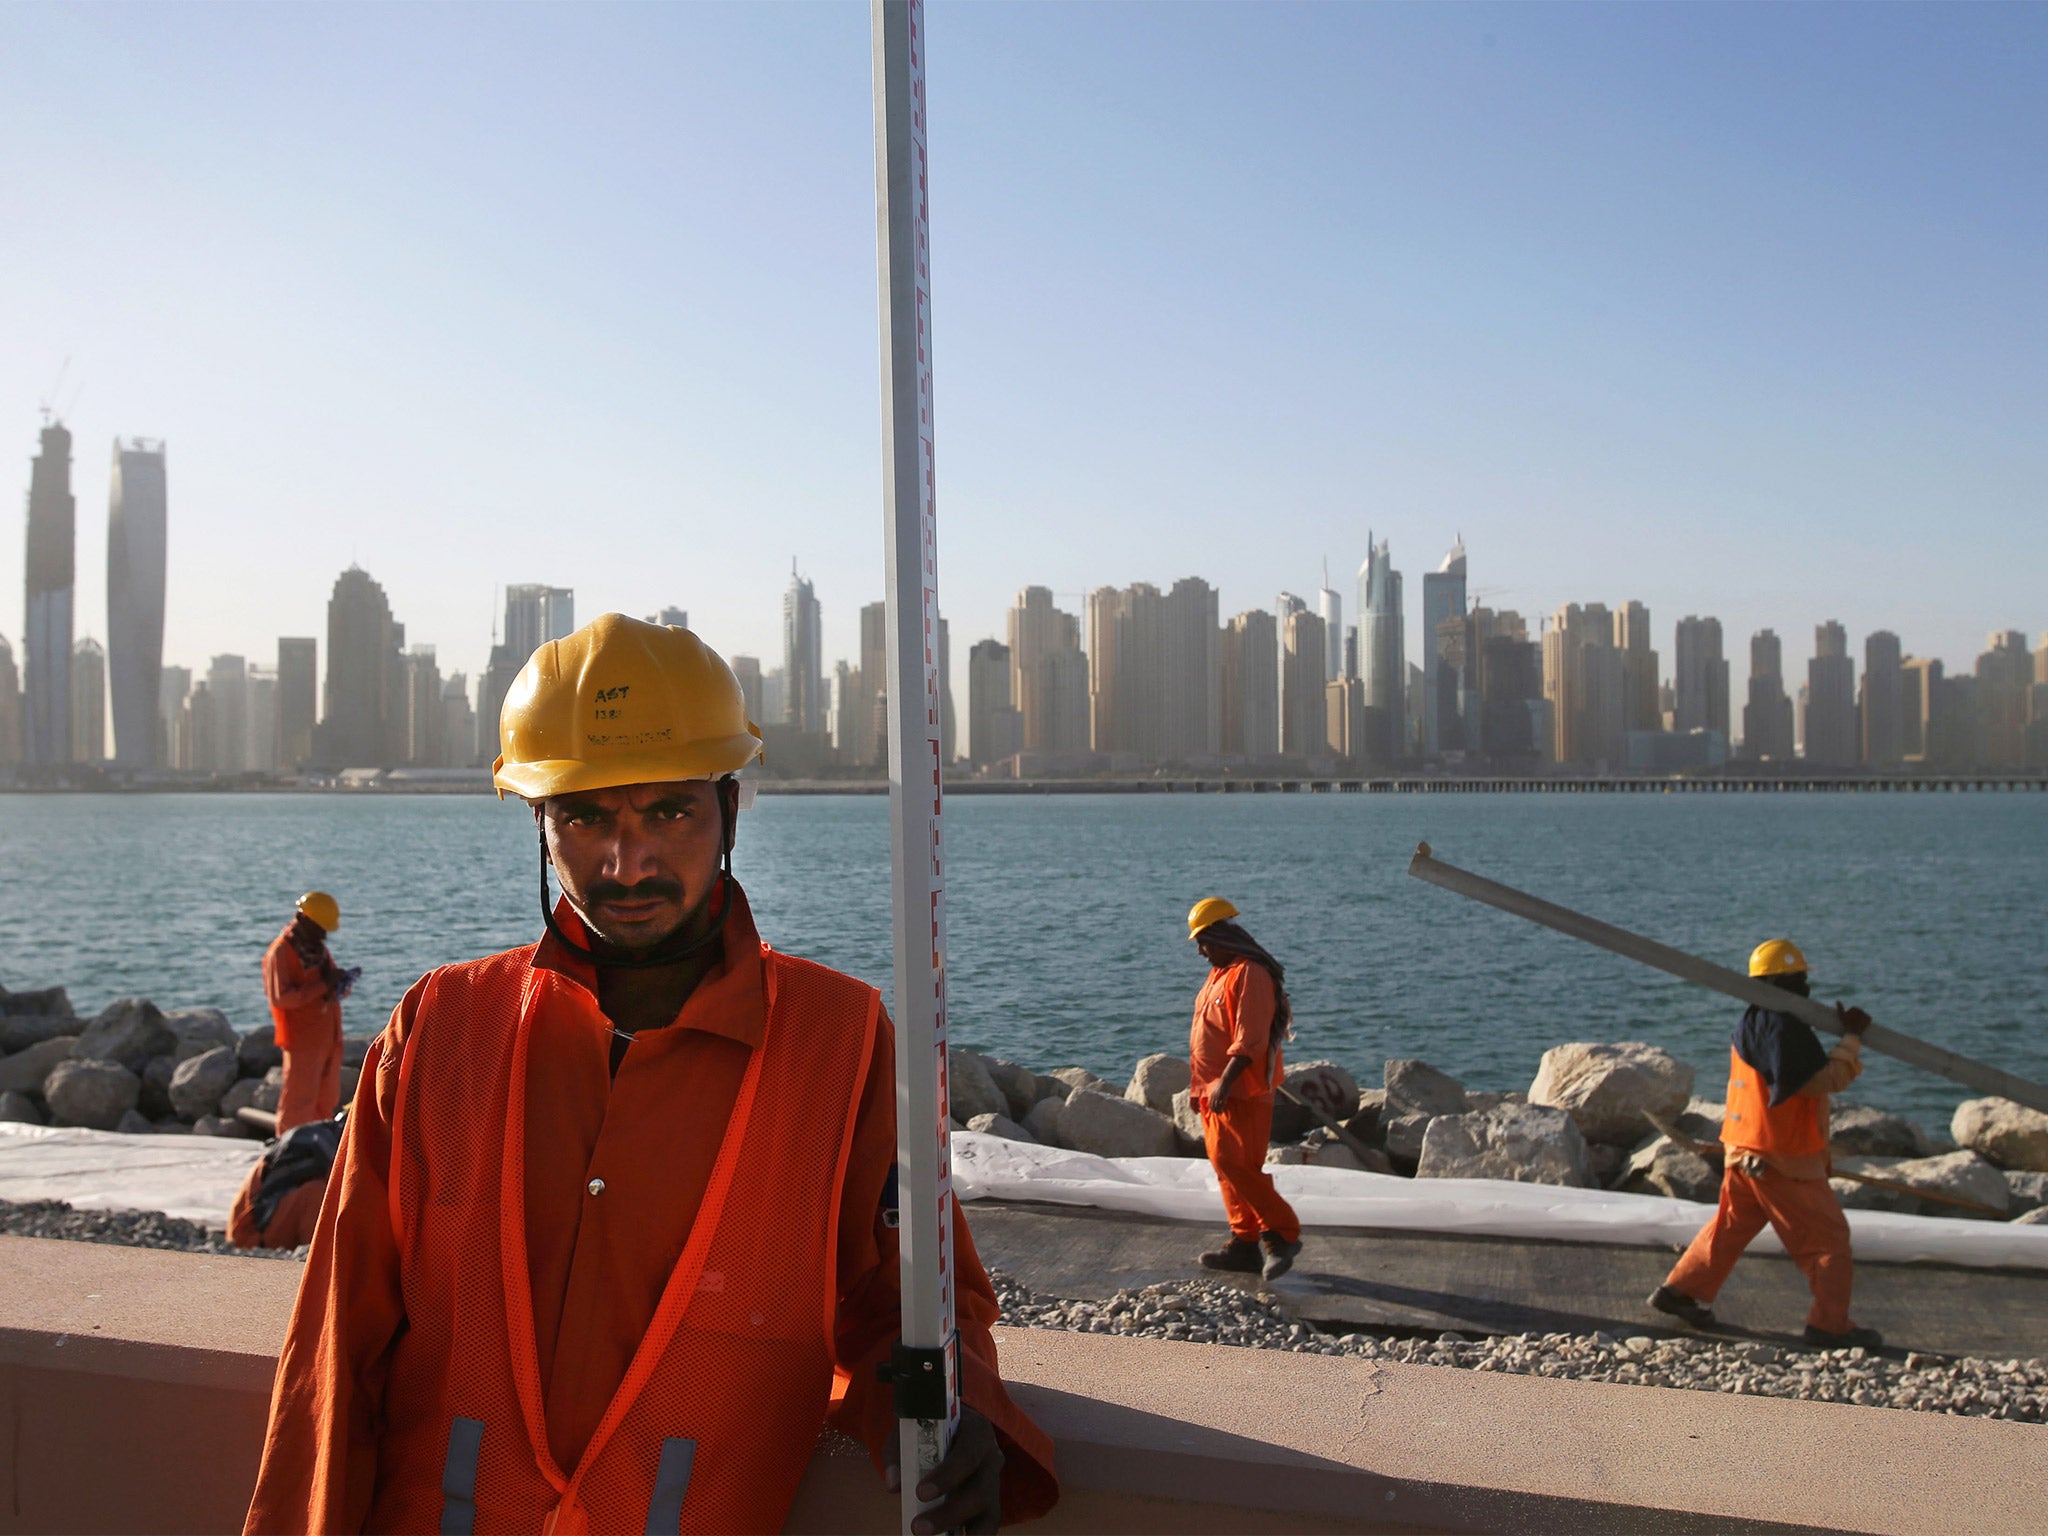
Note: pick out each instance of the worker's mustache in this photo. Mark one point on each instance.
(655, 889)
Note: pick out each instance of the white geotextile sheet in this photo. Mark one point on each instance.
(1184, 1188)
(193, 1177)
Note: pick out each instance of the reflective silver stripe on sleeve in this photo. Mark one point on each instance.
(671, 1482)
(458, 1477)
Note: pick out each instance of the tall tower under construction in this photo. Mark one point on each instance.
(136, 520)
(52, 576)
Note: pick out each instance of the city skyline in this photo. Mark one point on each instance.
(1757, 329)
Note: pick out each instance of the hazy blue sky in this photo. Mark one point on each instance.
(1738, 310)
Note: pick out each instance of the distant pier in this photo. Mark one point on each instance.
(1421, 784)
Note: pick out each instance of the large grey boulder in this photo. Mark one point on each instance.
(1528, 1143)
(19, 1109)
(1043, 1122)
(1861, 1131)
(197, 1085)
(271, 1089)
(2037, 1217)
(1414, 1087)
(2008, 1134)
(2028, 1190)
(1323, 1084)
(228, 1129)
(203, 1028)
(969, 1089)
(128, 1032)
(259, 1051)
(1365, 1121)
(25, 1071)
(94, 1094)
(1155, 1080)
(1017, 1085)
(24, 1030)
(1961, 1173)
(156, 1077)
(1186, 1118)
(135, 1123)
(1703, 1119)
(1095, 1122)
(47, 1001)
(1611, 1091)
(1661, 1167)
(1403, 1137)
(1334, 1154)
(1071, 1078)
(1000, 1125)
(240, 1095)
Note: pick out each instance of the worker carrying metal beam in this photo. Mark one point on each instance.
(1776, 1135)
(305, 988)
(1234, 1055)
(611, 1236)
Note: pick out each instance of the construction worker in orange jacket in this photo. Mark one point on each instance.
(1241, 1016)
(304, 988)
(1776, 1139)
(611, 1236)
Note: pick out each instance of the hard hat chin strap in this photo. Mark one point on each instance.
(665, 953)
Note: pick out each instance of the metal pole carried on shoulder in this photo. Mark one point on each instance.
(1704, 973)
(925, 1367)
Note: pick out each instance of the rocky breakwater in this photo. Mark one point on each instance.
(1591, 1118)
(139, 1069)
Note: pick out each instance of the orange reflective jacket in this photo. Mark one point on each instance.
(714, 1422)
(1793, 1129)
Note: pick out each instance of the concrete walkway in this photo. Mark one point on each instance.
(1425, 1283)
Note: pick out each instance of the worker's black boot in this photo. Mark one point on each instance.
(1279, 1255)
(1240, 1255)
(1681, 1306)
(1864, 1338)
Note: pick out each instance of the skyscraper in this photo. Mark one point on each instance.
(994, 728)
(425, 715)
(1038, 632)
(748, 670)
(2005, 678)
(1701, 678)
(1880, 714)
(1831, 700)
(259, 719)
(1767, 717)
(227, 691)
(1248, 666)
(458, 722)
(1285, 607)
(137, 523)
(1443, 599)
(173, 687)
(51, 574)
(298, 700)
(1583, 681)
(10, 707)
(1193, 679)
(88, 701)
(1382, 652)
(1330, 607)
(676, 618)
(1639, 669)
(870, 681)
(803, 657)
(535, 615)
(365, 722)
(1302, 685)
(948, 731)
(1126, 671)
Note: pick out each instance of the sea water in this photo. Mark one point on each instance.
(1066, 943)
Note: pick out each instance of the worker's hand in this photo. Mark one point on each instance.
(968, 1482)
(1853, 1020)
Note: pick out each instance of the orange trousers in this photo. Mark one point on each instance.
(1236, 1138)
(312, 1084)
(1809, 1222)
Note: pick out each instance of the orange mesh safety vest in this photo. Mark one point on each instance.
(715, 1420)
(1793, 1129)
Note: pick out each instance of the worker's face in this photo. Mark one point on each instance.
(637, 863)
(1207, 953)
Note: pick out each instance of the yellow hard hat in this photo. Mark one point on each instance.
(619, 702)
(1210, 909)
(322, 908)
(1776, 957)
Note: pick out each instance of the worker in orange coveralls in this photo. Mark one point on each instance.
(278, 1205)
(1776, 1135)
(611, 1237)
(305, 988)
(1241, 1016)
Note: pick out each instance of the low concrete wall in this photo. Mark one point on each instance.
(133, 1387)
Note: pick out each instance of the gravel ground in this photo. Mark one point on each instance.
(134, 1229)
(1212, 1312)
